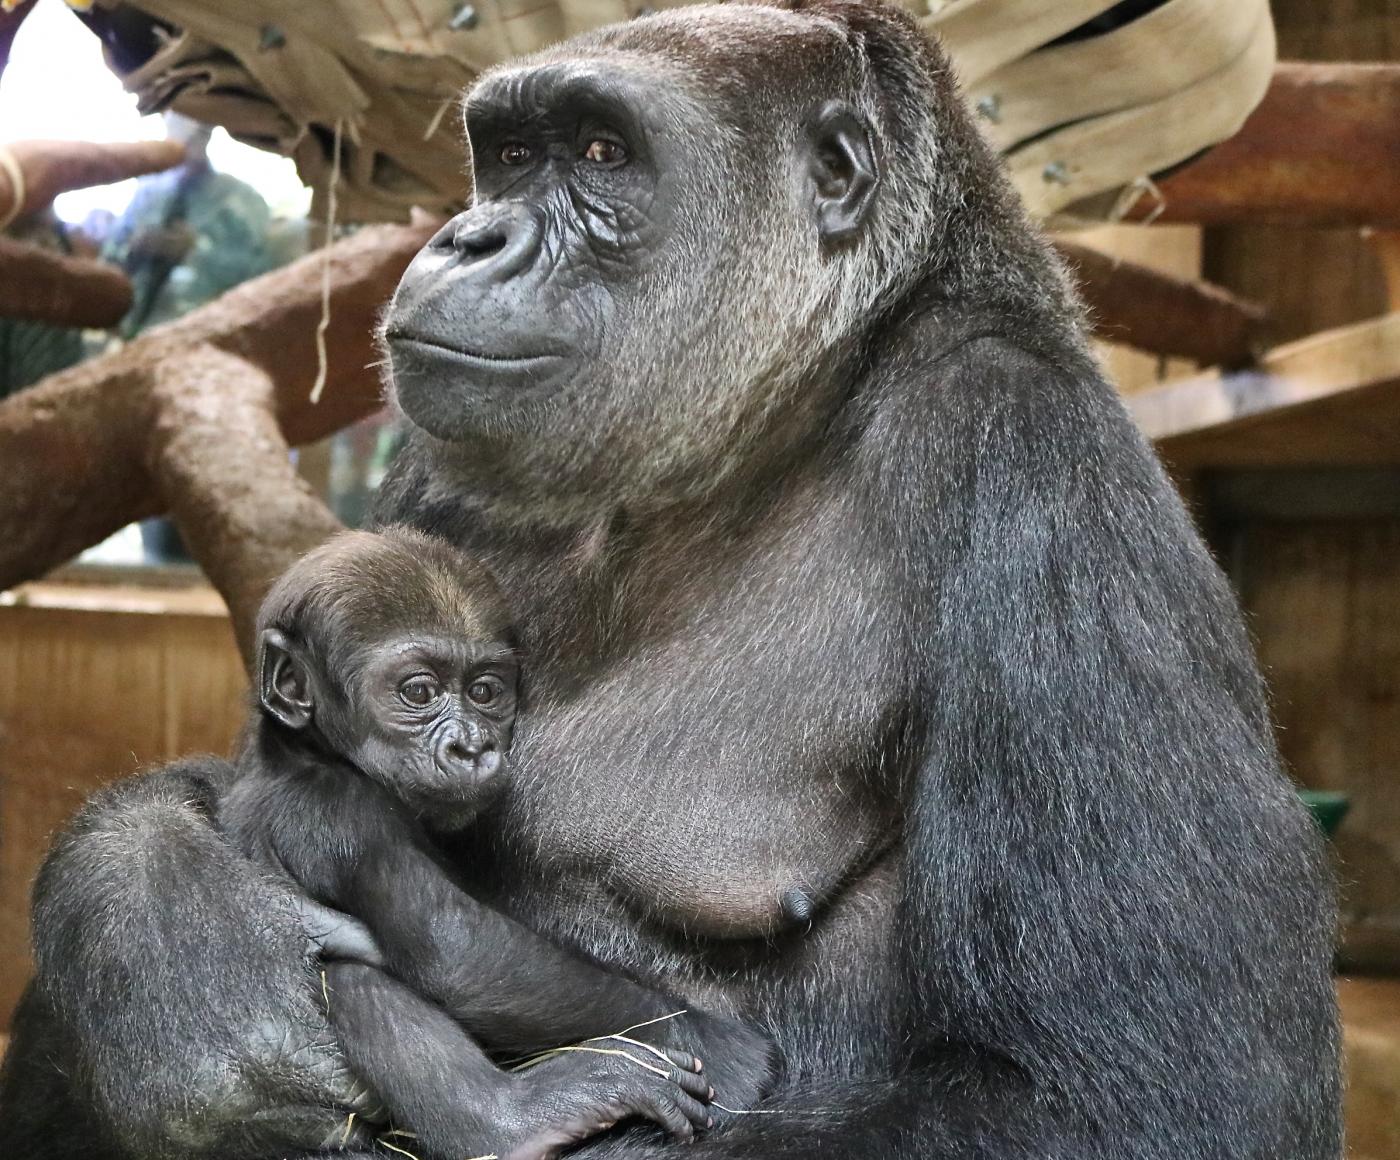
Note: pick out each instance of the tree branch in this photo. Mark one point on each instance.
(92, 448)
(1156, 312)
(218, 455)
(54, 167)
(42, 285)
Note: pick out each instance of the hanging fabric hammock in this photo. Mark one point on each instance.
(1086, 98)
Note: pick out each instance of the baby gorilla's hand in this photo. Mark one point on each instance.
(588, 1089)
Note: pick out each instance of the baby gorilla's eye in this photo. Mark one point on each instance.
(481, 692)
(514, 153)
(419, 691)
(601, 151)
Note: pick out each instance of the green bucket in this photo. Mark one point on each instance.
(1328, 807)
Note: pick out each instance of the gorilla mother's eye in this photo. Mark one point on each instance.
(601, 151)
(419, 691)
(514, 153)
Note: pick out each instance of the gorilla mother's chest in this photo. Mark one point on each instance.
(718, 766)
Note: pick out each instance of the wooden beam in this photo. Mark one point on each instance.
(1156, 312)
(1322, 149)
(1332, 398)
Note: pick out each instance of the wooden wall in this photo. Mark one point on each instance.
(1321, 583)
(95, 683)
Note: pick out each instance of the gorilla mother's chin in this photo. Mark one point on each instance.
(485, 391)
(465, 334)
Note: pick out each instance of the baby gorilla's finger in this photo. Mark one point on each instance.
(694, 1110)
(693, 1084)
(679, 1115)
(684, 1060)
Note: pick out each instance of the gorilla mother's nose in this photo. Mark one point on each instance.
(498, 240)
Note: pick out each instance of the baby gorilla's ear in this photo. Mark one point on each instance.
(283, 685)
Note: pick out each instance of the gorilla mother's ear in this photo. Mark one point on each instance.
(284, 686)
(841, 161)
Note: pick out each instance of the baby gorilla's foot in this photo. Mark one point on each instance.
(590, 1088)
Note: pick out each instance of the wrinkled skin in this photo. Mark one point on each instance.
(878, 687)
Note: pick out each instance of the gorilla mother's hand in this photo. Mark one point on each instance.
(185, 988)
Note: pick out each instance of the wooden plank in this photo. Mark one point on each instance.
(1330, 398)
(89, 694)
(1371, 1027)
(129, 599)
(1322, 148)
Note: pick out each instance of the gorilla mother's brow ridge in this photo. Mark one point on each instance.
(534, 97)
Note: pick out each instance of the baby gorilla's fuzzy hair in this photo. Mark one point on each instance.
(360, 588)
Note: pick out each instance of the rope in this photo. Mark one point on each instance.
(17, 190)
(322, 363)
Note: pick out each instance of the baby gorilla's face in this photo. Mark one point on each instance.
(431, 718)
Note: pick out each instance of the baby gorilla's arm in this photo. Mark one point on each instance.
(513, 989)
(431, 1075)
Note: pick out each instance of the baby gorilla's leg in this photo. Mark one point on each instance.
(439, 1084)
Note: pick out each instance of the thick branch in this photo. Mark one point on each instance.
(219, 457)
(46, 286)
(54, 167)
(1164, 315)
(76, 447)
(1322, 149)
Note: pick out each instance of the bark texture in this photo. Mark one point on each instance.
(195, 416)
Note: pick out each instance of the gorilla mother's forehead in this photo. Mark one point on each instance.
(616, 86)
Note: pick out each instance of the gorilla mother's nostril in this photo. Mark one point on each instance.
(477, 240)
(496, 241)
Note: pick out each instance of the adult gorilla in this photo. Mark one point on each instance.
(879, 687)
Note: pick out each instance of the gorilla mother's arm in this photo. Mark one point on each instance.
(174, 1002)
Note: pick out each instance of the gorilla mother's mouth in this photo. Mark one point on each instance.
(466, 354)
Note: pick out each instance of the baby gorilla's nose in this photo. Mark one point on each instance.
(460, 752)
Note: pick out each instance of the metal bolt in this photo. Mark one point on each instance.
(464, 18)
(270, 37)
(1056, 173)
(989, 108)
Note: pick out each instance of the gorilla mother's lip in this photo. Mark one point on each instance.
(464, 354)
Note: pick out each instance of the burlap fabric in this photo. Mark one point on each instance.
(1080, 117)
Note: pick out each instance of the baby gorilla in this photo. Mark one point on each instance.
(387, 688)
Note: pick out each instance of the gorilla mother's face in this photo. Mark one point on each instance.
(516, 299)
(643, 266)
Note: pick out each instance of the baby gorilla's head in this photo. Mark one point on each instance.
(394, 652)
